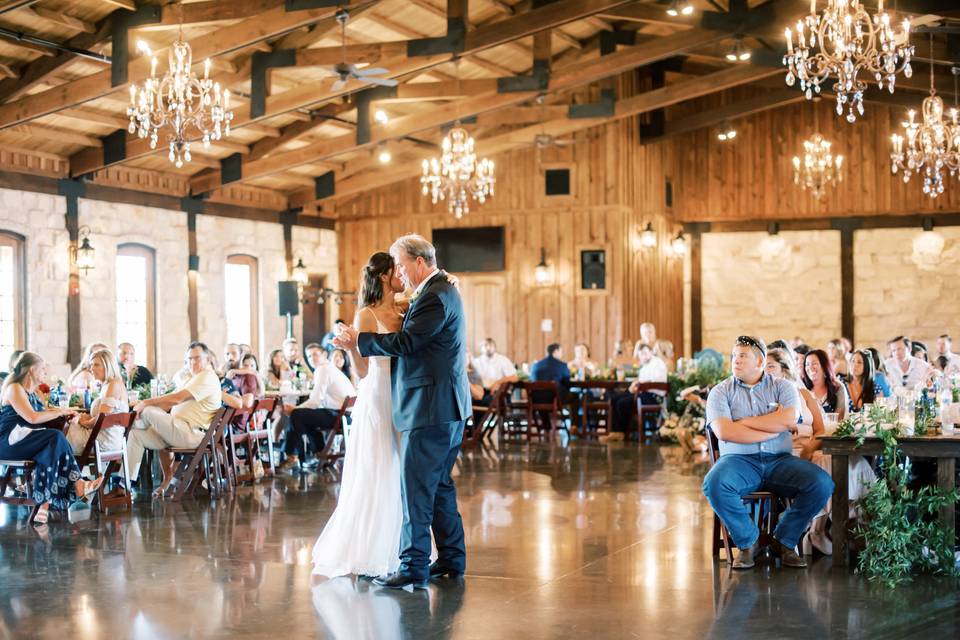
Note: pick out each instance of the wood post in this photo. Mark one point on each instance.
(846, 227)
(192, 266)
(72, 191)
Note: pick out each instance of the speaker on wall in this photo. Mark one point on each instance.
(289, 297)
(593, 269)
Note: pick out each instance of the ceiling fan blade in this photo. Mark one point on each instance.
(339, 84)
(369, 72)
(383, 82)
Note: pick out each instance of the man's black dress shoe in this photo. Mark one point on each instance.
(399, 581)
(438, 570)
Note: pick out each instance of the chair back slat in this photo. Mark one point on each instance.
(105, 421)
(713, 445)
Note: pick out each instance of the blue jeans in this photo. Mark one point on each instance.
(787, 476)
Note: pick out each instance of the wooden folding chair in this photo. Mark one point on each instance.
(260, 430)
(652, 409)
(330, 453)
(237, 436)
(109, 462)
(490, 418)
(11, 469)
(766, 518)
(189, 472)
(543, 403)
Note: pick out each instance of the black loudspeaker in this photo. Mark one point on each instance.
(593, 269)
(289, 297)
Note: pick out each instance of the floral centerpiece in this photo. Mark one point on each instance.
(685, 420)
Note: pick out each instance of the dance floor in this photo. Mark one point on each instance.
(583, 541)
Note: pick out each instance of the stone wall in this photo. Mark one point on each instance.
(40, 218)
(902, 291)
(753, 284)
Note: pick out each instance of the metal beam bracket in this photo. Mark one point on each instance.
(231, 168)
(303, 5)
(122, 23)
(325, 186)
(602, 109)
(610, 39)
(191, 205)
(72, 190)
(538, 80)
(363, 100)
(114, 147)
(290, 216)
(260, 65)
(453, 42)
(739, 19)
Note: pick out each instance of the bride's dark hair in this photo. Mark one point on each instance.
(371, 286)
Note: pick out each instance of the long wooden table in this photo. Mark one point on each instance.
(585, 398)
(944, 449)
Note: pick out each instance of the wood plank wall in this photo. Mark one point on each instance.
(752, 177)
(617, 189)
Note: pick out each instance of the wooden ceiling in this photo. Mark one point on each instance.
(63, 110)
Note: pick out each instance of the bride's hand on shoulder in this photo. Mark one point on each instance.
(452, 279)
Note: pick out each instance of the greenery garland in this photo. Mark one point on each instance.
(900, 525)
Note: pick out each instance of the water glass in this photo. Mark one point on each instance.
(831, 420)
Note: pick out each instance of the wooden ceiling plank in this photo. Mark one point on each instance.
(209, 12)
(61, 19)
(129, 5)
(221, 41)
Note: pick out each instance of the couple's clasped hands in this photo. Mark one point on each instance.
(346, 337)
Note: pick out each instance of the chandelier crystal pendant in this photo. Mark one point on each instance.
(179, 102)
(931, 145)
(844, 42)
(457, 175)
(819, 168)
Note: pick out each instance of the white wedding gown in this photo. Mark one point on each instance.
(363, 535)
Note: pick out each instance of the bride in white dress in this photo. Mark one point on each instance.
(362, 536)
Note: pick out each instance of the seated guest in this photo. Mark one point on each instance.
(230, 396)
(231, 358)
(14, 356)
(246, 378)
(880, 379)
(620, 358)
(752, 414)
(862, 386)
(277, 370)
(947, 361)
(495, 369)
(919, 350)
(581, 364)
(177, 419)
(780, 364)
(245, 349)
(550, 369)
(836, 351)
(56, 476)
(903, 369)
(135, 375)
(339, 359)
(80, 378)
(801, 351)
(317, 414)
(291, 351)
(316, 355)
(652, 369)
(819, 377)
(327, 341)
(113, 399)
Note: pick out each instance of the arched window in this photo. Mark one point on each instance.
(136, 301)
(13, 275)
(242, 300)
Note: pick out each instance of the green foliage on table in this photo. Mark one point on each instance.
(706, 375)
(900, 525)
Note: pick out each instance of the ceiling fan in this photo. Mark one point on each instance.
(543, 139)
(346, 71)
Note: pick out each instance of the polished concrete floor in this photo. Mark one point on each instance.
(583, 541)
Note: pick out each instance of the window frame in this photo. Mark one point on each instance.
(18, 243)
(253, 263)
(136, 249)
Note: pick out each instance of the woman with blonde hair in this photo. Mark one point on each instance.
(81, 378)
(113, 399)
(23, 436)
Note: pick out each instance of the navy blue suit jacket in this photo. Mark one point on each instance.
(551, 370)
(429, 366)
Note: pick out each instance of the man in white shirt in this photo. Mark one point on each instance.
(177, 419)
(947, 360)
(317, 414)
(494, 368)
(624, 405)
(903, 369)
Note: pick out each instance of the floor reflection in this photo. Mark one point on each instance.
(563, 541)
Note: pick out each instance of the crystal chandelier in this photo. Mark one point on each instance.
(932, 144)
(818, 168)
(843, 42)
(457, 174)
(179, 101)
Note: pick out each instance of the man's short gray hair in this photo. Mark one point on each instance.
(415, 246)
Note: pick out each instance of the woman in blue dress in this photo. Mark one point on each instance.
(56, 476)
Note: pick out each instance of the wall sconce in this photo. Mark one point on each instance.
(83, 256)
(648, 237)
(679, 244)
(300, 273)
(927, 247)
(543, 274)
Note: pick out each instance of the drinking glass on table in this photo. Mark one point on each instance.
(830, 422)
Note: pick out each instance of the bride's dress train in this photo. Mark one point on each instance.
(363, 535)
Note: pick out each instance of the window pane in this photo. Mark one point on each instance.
(239, 307)
(132, 303)
(8, 305)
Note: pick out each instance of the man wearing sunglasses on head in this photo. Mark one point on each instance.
(753, 415)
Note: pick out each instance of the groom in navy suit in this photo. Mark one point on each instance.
(431, 402)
